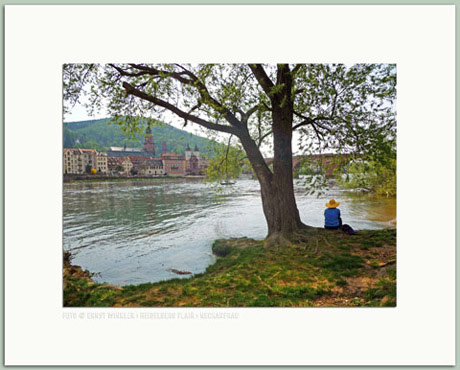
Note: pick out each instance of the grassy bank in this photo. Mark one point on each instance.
(321, 268)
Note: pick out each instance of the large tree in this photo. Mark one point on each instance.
(346, 109)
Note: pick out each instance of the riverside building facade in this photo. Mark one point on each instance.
(123, 161)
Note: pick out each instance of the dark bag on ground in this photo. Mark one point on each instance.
(348, 229)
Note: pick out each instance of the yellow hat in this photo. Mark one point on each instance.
(332, 204)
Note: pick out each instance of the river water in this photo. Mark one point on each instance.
(131, 232)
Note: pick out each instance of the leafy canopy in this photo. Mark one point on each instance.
(335, 107)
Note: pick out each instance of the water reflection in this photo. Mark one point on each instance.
(134, 231)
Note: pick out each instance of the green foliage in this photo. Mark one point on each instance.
(226, 164)
(103, 133)
(372, 175)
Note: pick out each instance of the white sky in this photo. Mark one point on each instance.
(79, 113)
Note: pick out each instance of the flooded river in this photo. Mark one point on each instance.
(131, 232)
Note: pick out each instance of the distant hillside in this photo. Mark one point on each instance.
(100, 135)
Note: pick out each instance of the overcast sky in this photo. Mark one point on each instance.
(79, 113)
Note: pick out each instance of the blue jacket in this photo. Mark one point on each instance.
(331, 217)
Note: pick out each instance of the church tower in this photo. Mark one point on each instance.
(188, 153)
(149, 145)
(196, 153)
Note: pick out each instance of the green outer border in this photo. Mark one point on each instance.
(241, 2)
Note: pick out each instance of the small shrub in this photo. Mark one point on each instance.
(220, 248)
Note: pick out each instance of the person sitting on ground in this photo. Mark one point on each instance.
(332, 219)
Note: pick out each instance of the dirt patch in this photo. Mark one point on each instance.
(357, 285)
(334, 302)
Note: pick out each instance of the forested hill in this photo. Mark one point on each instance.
(100, 135)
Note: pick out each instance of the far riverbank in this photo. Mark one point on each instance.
(92, 178)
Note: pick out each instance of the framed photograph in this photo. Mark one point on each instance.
(240, 184)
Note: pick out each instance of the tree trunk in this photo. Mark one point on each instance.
(277, 188)
(283, 183)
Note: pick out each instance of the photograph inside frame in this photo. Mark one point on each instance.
(229, 185)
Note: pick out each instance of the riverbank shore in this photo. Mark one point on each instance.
(322, 268)
(124, 178)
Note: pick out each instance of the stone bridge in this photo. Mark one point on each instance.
(329, 161)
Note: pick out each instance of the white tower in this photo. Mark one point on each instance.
(188, 153)
(196, 153)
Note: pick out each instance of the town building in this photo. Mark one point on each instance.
(195, 163)
(203, 163)
(79, 161)
(114, 165)
(101, 162)
(127, 165)
(193, 166)
(72, 163)
(115, 151)
(149, 145)
(174, 164)
(143, 166)
(135, 161)
(119, 166)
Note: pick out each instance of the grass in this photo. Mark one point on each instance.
(322, 268)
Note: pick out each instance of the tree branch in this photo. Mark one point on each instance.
(130, 90)
(193, 80)
(262, 78)
(262, 138)
(206, 97)
(252, 110)
(311, 121)
(296, 68)
(245, 115)
(123, 72)
(158, 72)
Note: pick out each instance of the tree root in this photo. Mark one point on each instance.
(302, 235)
(277, 239)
